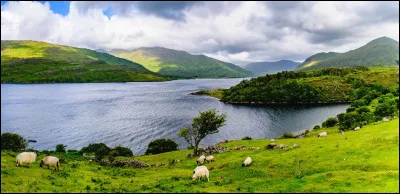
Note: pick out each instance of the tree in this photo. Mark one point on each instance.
(100, 150)
(60, 148)
(121, 151)
(13, 141)
(207, 123)
(330, 122)
(384, 109)
(160, 146)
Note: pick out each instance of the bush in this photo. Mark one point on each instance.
(247, 138)
(13, 141)
(330, 122)
(363, 109)
(317, 127)
(60, 148)
(384, 109)
(359, 103)
(72, 150)
(396, 100)
(121, 151)
(287, 135)
(350, 109)
(160, 146)
(367, 117)
(349, 120)
(100, 150)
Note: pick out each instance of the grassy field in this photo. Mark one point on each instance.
(358, 161)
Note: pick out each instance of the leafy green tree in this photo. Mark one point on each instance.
(317, 127)
(100, 150)
(60, 148)
(359, 103)
(349, 120)
(350, 109)
(384, 109)
(363, 109)
(121, 151)
(207, 123)
(330, 122)
(160, 146)
(13, 141)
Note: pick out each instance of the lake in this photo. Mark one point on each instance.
(135, 113)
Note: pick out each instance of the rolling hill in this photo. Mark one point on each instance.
(180, 64)
(41, 62)
(382, 51)
(262, 68)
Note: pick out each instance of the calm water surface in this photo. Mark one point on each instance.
(133, 114)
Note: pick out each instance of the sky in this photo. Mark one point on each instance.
(236, 32)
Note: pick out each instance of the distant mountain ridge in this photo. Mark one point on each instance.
(25, 61)
(262, 68)
(382, 51)
(181, 64)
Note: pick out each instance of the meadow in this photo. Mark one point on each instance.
(358, 161)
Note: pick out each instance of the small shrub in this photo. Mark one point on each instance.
(349, 120)
(100, 150)
(316, 127)
(384, 109)
(13, 141)
(287, 135)
(330, 122)
(363, 109)
(350, 109)
(247, 138)
(160, 146)
(60, 148)
(359, 103)
(121, 151)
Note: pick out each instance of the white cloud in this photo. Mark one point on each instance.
(237, 32)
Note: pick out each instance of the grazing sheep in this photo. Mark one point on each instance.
(50, 161)
(246, 162)
(295, 145)
(357, 128)
(210, 158)
(341, 132)
(270, 146)
(201, 159)
(281, 146)
(201, 172)
(386, 119)
(26, 158)
(323, 134)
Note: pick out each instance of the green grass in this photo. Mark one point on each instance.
(41, 62)
(358, 161)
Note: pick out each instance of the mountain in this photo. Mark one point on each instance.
(101, 50)
(175, 63)
(41, 62)
(382, 51)
(262, 68)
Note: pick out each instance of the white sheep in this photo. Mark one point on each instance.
(201, 172)
(210, 158)
(357, 128)
(246, 162)
(201, 159)
(295, 145)
(50, 161)
(323, 134)
(26, 158)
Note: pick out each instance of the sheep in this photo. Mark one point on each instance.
(201, 159)
(50, 161)
(210, 158)
(270, 146)
(357, 128)
(26, 158)
(386, 119)
(295, 145)
(281, 146)
(201, 172)
(246, 162)
(323, 134)
(341, 132)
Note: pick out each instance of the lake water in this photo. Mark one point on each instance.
(132, 114)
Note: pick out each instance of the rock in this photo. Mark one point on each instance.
(295, 145)
(386, 119)
(281, 146)
(357, 128)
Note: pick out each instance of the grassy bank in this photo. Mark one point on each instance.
(358, 161)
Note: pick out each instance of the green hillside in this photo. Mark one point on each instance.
(331, 85)
(358, 161)
(181, 64)
(262, 68)
(383, 51)
(41, 62)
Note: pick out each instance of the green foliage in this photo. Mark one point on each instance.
(13, 141)
(121, 151)
(60, 148)
(359, 103)
(349, 120)
(316, 127)
(207, 123)
(247, 138)
(40, 62)
(379, 52)
(385, 109)
(287, 135)
(350, 109)
(330, 122)
(160, 146)
(181, 64)
(100, 150)
(363, 109)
